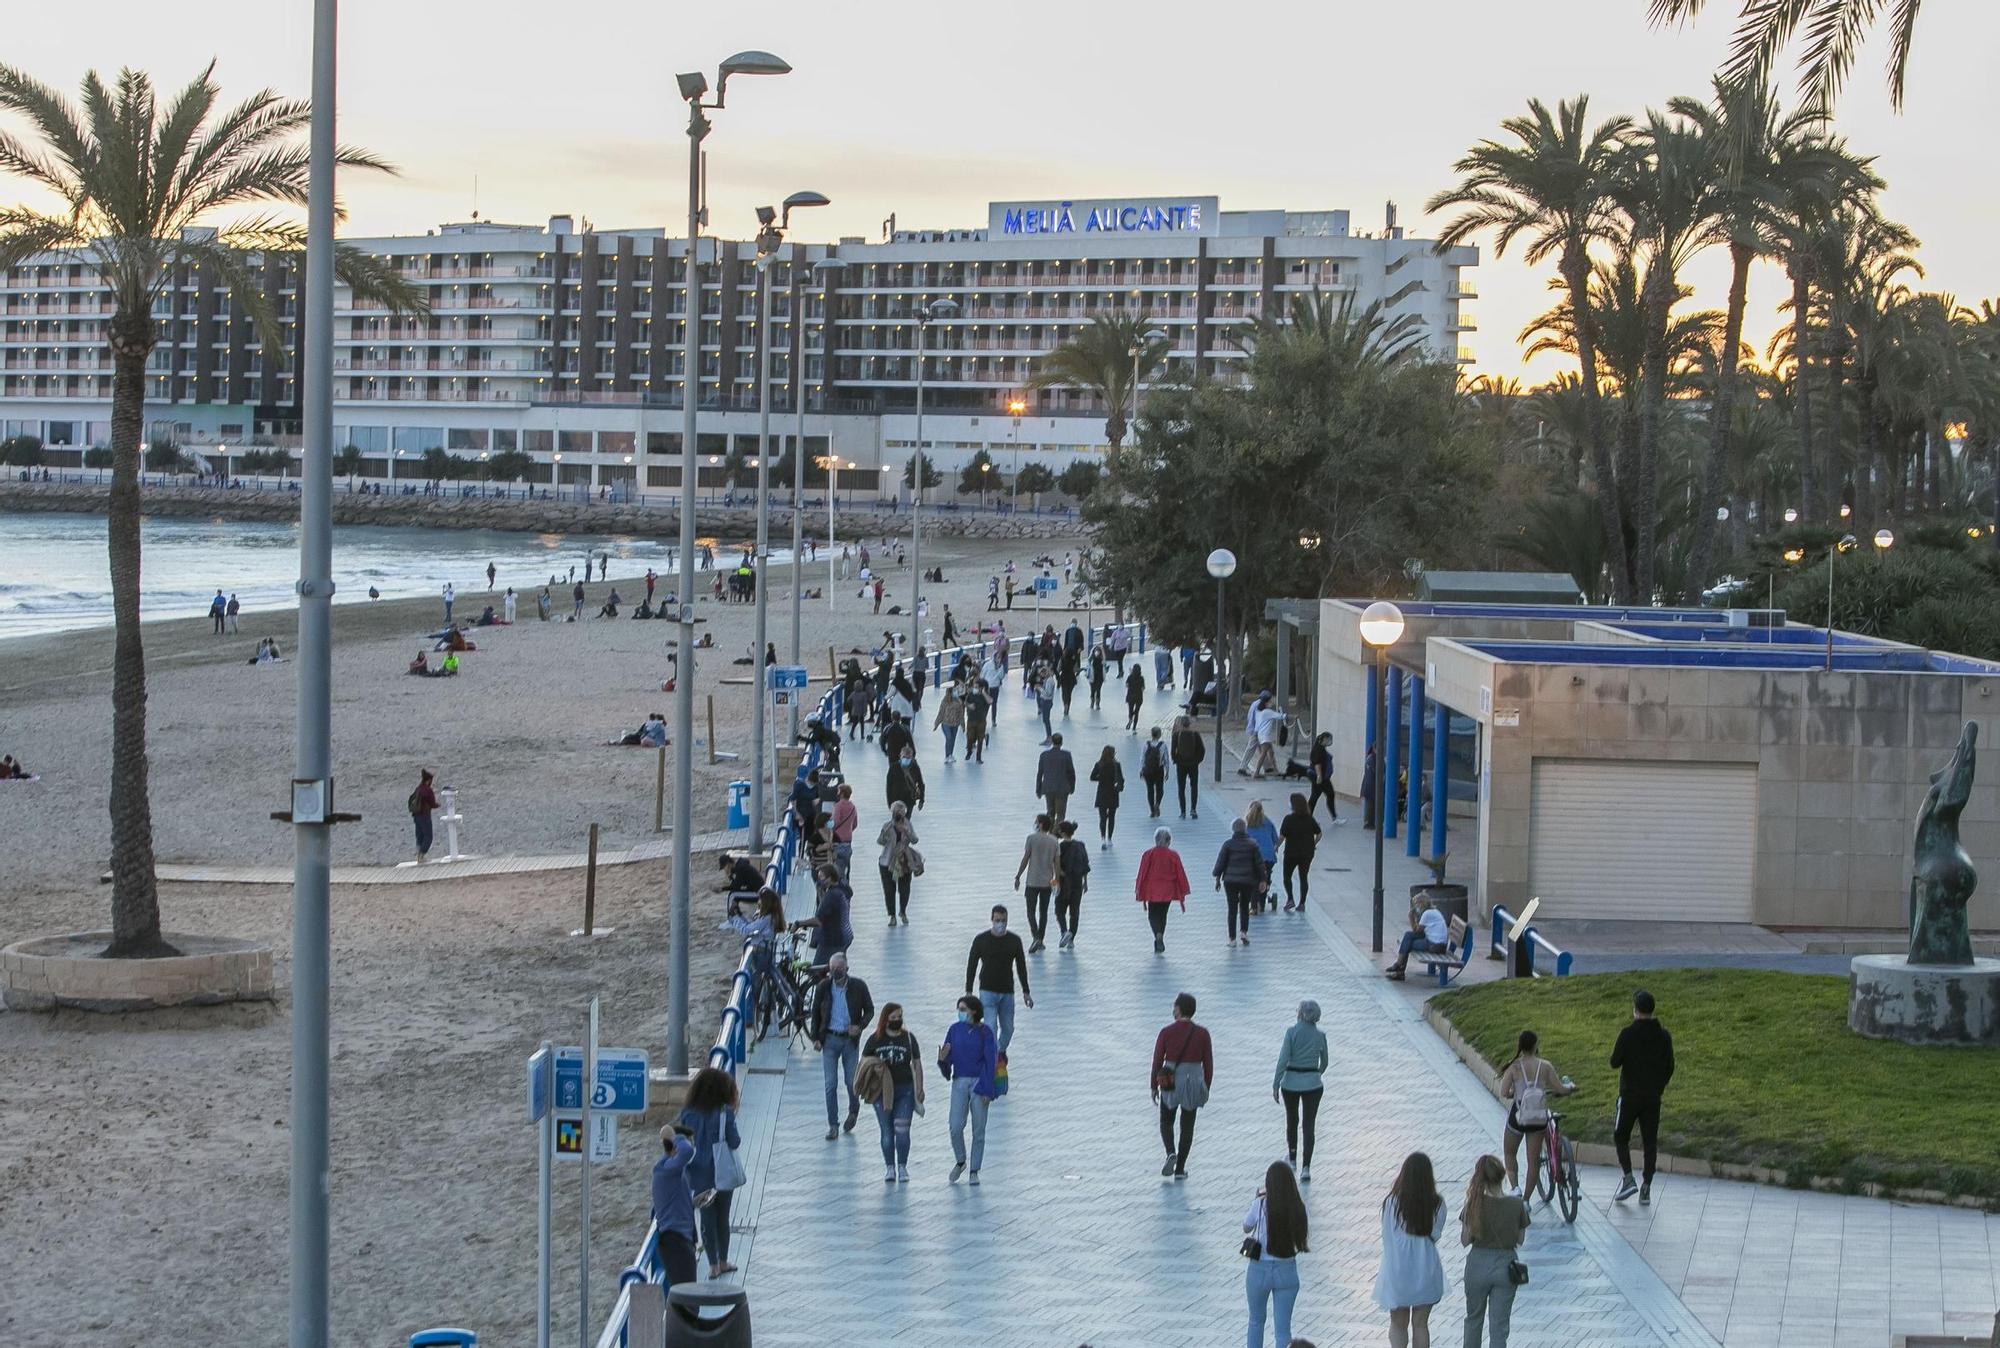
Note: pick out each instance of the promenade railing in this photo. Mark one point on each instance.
(1525, 946)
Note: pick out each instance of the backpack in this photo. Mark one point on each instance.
(416, 807)
(1531, 1101)
(1156, 759)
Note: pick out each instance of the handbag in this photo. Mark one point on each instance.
(1251, 1249)
(1517, 1273)
(729, 1172)
(914, 859)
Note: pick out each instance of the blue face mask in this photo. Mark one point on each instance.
(964, 1017)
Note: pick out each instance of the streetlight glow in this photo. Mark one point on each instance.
(1884, 540)
(1791, 515)
(1381, 624)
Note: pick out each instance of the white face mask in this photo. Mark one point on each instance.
(999, 928)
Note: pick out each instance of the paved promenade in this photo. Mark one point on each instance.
(1074, 1237)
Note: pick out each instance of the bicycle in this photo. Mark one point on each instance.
(1558, 1178)
(790, 1009)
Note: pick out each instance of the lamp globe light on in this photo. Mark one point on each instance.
(1381, 624)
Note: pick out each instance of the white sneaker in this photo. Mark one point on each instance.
(973, 1178)
(888, 1174)
(903, 1174)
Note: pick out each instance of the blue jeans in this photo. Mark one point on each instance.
(950, 740)
(1415, 941)
(1042, 709)
(1000, 1015)
(838, 1061)
(894, 1121)
(1277, 1279)
(964, 1100)
(843, 857)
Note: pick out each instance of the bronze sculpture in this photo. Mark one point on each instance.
(1940, 931)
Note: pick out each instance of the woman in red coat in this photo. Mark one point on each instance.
(1162, 880)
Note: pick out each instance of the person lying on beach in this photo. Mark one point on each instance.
(705, 642)
(651, 734)
(489, 618)
(12, 771)
(454, 640)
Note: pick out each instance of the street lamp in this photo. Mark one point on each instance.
(1381, 627)
(1221, 565)
(927, 314)
(693, 89)
(1017, 406)
(1846, 543)
(826, 269)
(984, 470)
(1884, 540)
(1152, 338)
(770, 236)
(1791, 515)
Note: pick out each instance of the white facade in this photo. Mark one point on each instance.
(569, 343)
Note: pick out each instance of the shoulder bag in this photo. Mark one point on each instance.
(1163, 1075)
(729, 1172)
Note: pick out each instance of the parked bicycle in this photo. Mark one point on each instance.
(785, 998)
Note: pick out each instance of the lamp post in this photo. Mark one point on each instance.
(1845, 544)
(773, 225)
(826, 268)
(985, 470)
(927, 314)
(1017, 406)
(693, 89)
(1221, 565)
(1381, 627)
(1152, 338)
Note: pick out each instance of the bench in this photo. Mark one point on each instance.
(1447, 963)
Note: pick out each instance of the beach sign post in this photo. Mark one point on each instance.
(541, 1113)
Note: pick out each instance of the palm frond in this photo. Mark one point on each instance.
(25, 233)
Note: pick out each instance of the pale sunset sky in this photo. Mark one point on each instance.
(928, 111)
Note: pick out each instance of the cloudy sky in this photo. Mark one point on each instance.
(928, 111)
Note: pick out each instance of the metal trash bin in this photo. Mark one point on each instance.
(707, 1315)
(444, 1338)
(739, 805)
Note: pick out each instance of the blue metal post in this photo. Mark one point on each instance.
(1440, 775)
(1414, 797)
(1385, 762)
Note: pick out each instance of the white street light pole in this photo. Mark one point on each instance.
(927, 313)
(693, 87)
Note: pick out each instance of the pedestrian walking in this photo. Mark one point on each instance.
(449, 596)
(846, 817)
(878, 594)
(840, 1012)
(903, 1095)
(576, 602)
(674, 1204)
(996, 957)
(1239, 869)
(422, 801)
(1162, 880)
(217, 608)
(969, 1058)
(235, 609)
(860, 709)
(1043, 683)
(1319, 770)
(1492, 1224)
(950, 718)
(976, 702)
(1265, 834)
(1072, 878)
(1300, 833)
(906, 780)
(710, 1116)
(1183, 1072)
(1110, 778)
(491, 574)
(1188, 751)
(898, 861)
(1121, 644)
(1135, 698)
(1153, 772)
(1644, 1057)
(1411, 1278)
(1526, 1083)
(950, 628)
(651, 580)
(1163, 668)
(993, 594)
(993, 677)
(507, 605)
(1271, 733)
(1300, 1083)
(1055, 777)
(1097, 662)
(1274, 1236)
(1040, 856)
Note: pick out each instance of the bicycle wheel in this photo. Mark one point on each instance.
(760, 1014)
(1543, 1185)
(1569, 1193)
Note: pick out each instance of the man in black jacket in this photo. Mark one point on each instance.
(995, 958)
(1644, 1057)
(841, 1011)
(1055, 777)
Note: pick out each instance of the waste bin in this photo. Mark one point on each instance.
(707, 1315)
(739, 805)
(444, 1338)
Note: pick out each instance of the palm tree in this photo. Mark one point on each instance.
(1099, 360)
(1833, 28)
(1767, 158)
(1665, 184)
(1551, 187)
(136, 184)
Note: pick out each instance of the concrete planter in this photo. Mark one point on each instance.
(57, 971)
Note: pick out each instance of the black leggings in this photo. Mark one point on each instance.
(1156, 791)
(1239, 906)
(1038, 909)
(1180, 1153)
(1156, 914)
(1107, 820)
(1132, 715)
(1187, 785)
(1645, 1113)
(895, 891)
(1322, 789)
(1296, 863)
(1068, 908)
(1293, 1099)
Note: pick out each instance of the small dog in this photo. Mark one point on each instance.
(1295, 771)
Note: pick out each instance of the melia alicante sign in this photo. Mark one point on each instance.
(1108, 215)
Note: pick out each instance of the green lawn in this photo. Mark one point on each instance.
(1767, 1074)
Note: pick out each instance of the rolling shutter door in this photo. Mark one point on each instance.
(1663, 842)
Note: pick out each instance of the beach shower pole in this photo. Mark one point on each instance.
(313, 785)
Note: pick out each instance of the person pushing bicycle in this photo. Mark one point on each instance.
(1527, 1083)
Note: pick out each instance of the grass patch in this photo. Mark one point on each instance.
(1766, 1073)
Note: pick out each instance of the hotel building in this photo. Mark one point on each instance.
(567, 343)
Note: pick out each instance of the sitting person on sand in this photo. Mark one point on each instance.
(450, 665)
(651, 734)
(610, 609)
(454, 640)
(739, 873)
(421, 666)
(488, 618)
(11, 769)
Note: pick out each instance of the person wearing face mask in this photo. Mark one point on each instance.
(896, 1048)
(1038, 864)
(968, 1059)
(996, 957)
(839, 1014)
(906, 780)
(897, 862)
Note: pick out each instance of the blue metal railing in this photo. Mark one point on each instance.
(1531, 940)
(731, 1047)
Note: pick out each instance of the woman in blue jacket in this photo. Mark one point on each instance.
(1265, 834)
(969, 1058)
(710, 1117)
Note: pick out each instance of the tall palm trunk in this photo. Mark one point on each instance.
(1653, 396)
(135, 896)
(1576, 274)
(1836, 409)
(1802, 388)
(1721, 415)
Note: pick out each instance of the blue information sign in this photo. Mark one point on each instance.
(1047, 585)
(787, 676)
(621, 1080)
(540, 1063)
